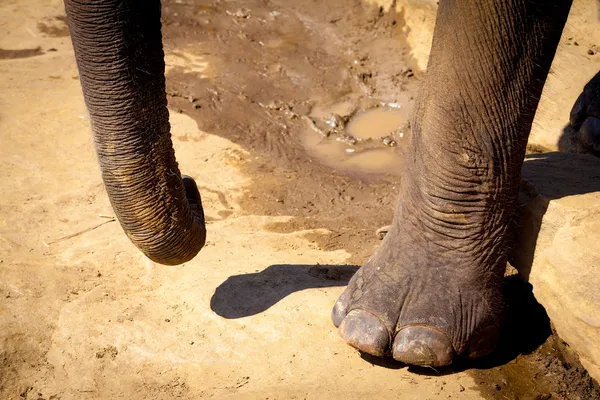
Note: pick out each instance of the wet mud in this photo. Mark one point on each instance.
(266, 73)
(320, 95)
(361, 140)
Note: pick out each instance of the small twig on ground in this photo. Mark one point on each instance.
(112, 219)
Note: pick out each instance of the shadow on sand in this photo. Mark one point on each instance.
(244, 295)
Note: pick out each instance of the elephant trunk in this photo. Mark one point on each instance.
(118, 47)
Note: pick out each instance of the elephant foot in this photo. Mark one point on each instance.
(585, 118)
(423, 304)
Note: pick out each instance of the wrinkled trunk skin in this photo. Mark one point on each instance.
(118, 47)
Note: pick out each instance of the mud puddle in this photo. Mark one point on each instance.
(378, 123)
(333, 162)
(347, 138)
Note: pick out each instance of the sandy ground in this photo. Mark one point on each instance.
(84, 315)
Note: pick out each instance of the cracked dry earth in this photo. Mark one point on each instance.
(266, 99)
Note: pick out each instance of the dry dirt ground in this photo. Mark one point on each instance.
(292, 201)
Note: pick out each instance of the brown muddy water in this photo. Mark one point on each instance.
(368, 141)
(319, 94)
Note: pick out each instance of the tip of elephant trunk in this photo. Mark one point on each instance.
(178, 258)
(182, 241)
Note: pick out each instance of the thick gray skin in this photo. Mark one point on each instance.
(118, 47)
(431, 292)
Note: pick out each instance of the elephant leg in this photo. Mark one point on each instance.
(432, 290)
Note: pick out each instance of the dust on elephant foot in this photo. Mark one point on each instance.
(420, 304)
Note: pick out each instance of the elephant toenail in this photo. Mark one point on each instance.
(365, 332)
(483, 342)
(423, 346)
(340, 309)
